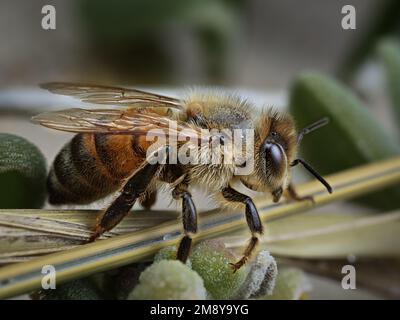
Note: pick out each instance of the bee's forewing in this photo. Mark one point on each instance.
(99, 94)
(115, 121)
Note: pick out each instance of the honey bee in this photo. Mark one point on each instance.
(110, 153)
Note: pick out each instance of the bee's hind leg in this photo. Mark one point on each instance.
(291, 191)
(131, 191)
(253, 221)
(189, 219)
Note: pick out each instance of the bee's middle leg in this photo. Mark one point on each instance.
(189, 219)
(253, 221)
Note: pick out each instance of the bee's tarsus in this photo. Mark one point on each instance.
(253, 221)
(184, 249)
(189, 219)
(236, 266)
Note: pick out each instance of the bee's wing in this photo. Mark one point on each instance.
(99, 94)
(116, 121)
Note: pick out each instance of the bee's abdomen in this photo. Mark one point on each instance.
(90, 167)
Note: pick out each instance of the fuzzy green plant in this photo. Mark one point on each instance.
(353, 137)
(260, 279)
(389, 52)
(291, 284)
(211, 259)
(22, 173)
(169, 280)
(82, 289)
(210, 263)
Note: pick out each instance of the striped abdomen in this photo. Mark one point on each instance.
(92, 166)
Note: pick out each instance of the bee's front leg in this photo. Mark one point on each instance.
(253, 221)
(291, 191)
(189, 219)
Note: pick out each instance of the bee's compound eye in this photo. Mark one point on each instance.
(274, 155)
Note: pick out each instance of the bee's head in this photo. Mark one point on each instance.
(277, 142)
(276, 149)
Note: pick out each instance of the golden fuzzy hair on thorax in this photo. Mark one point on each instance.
(211, 102)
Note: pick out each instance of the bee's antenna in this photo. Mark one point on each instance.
(313, 172)
(314, 126)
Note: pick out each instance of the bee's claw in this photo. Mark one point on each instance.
(97, 233)
(93, 238)
(306, 198)
(236, 266)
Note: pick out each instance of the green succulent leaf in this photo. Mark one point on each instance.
(22, 174)
(389, 51)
